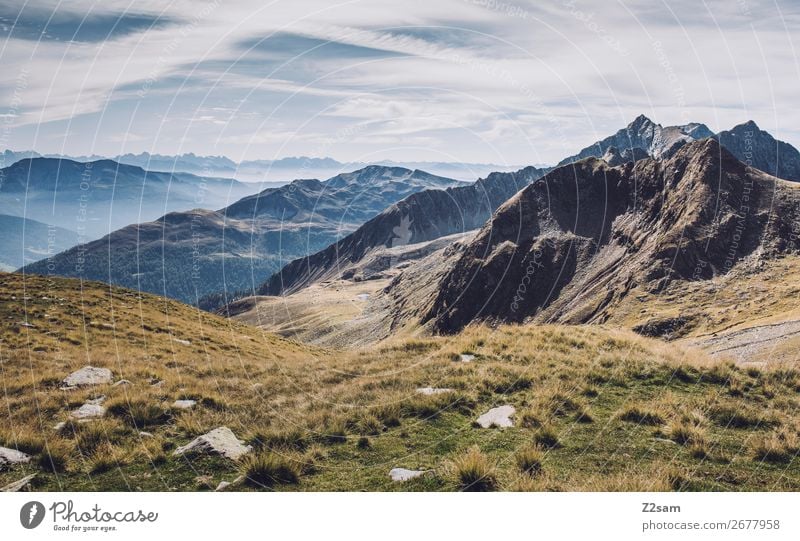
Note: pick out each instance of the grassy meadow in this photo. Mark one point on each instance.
(597, 408)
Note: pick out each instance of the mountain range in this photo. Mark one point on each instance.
(186, 255)
(94, 198)
(277, 170)
(312, 230)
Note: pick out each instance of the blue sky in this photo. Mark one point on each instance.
(445, 80)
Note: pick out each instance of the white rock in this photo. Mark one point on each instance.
(362, 297)
(402, 474)
(88, 411)
(16, 486)
(145, 434)
(467, 358)
(88, 375)
(10, 457)
(433, 390)
(220, 441)
(184, 404)
(222, 486)
(499, 416)
(60, 425)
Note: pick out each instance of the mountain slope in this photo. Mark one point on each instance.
(421, 217)
(589, 386)
(644, 134)
(94, 198)
(569, 247)
(24, 241)
(759, 149)
(186, 255)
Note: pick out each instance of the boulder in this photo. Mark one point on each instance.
(402, 474)
(88, 411)
(499, 417)
(88, 375)
(428, 391)
(12, 457)
(184, 404)
(220, 441)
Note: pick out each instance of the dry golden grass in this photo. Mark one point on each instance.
(313, 407)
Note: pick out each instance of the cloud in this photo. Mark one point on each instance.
(514, 82)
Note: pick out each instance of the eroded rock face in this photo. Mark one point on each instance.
(568, 247)
(12, 457)
(88, 375)
(499, 417)
(220, 441)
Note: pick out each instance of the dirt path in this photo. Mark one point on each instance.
(760, 344)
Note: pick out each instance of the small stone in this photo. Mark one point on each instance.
(60, 426)
(499, 417)
(362, 297)
(16, 486)
(11, 457)
(184, 404)
(88, 411)
(222, 486)
(466, 358)
(402, 474)
(220, 441)
(88, 375)
(145, 434)
(121, 382)
(428, 391)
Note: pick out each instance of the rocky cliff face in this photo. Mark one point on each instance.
(568, 247)
(759, 149)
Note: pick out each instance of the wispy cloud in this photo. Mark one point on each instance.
(528, 82)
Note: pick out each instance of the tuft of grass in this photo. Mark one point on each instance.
(55, 457)
(529, 460)
(289, 439)
(729, 416)
(473, 472)
(641, 416)
(779, 447)
(547, 437)
(140, 412)
(266, 469)
(685, 433)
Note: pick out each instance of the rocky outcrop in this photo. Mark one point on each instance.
(757, 148)
(88, 375)
(568, 247)
(220, 441)
(645, 135)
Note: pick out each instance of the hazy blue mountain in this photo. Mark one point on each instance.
(94, 198)
(186, 255)
(25, 241)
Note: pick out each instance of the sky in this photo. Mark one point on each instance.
(366, 80)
